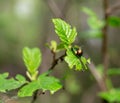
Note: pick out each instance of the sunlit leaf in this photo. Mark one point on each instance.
(64, 31)
(32, 59)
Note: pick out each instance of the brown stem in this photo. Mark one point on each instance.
(105, 40)
(36, 93)
(55, 62)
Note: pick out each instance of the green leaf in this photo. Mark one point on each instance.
(84, 62)
(32, 59)
(94, 34)
(4, 75)
(73, 60)
(28, 89)
(111, 96)
(90, 34)
(66, 34)
(60, 47)
(43, 82)
(93, 21)
(49, 83)
(20, 78)
(88, 11)
(113, 71)
(114, 21)
(10, 84)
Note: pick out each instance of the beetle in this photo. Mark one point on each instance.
(77, 51)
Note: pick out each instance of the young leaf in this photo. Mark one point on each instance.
(72, 60)
(32, 59)
(10, 84)
(52, 46)
(43, 82)
(64, 31)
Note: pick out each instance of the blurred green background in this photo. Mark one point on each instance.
(28, 23)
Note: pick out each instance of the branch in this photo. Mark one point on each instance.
(97, 76)
(54, 8)
(105, 41)
(113, 8)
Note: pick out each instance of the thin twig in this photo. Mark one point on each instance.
(34, 96)
(36, 93)
(55, 62)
